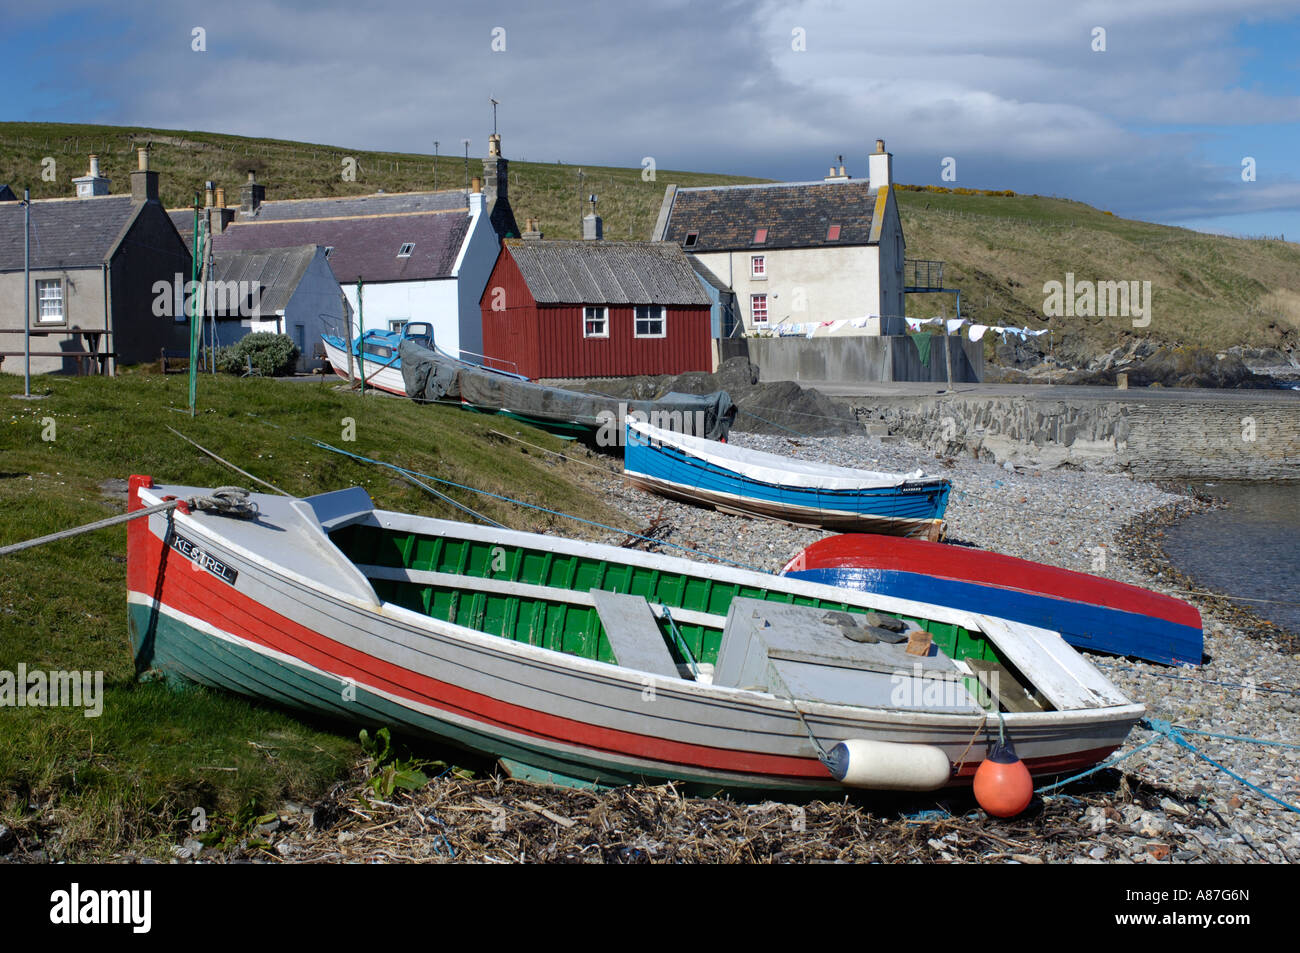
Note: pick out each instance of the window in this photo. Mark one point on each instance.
(691, 239)
(405, 250)
(396, 324)
(833, 233)
(49, 301)
(595, 322)
(758, 309)
(758, 266)
(760, 236)
(329, 250)
(650, 321)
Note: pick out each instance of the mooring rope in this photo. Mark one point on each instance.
(225, 500)
(1164, 729)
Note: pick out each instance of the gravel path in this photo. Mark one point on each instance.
(1076, 520)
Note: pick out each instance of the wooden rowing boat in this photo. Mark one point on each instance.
(585, 664)
(1090, 612)
(782, 488)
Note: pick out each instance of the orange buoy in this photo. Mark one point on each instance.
(1002, 785)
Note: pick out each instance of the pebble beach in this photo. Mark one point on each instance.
(1108, 524)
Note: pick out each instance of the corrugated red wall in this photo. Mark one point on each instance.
(547, 341)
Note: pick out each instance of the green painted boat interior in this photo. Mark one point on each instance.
(563, 626)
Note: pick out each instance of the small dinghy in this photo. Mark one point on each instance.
(1088, 611)
(769, 485)
(584, 664)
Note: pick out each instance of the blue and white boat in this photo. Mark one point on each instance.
(782, 488)
(376, 355)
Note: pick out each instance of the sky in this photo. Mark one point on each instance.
(1183, 112)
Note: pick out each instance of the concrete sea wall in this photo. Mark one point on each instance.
(1248, 435)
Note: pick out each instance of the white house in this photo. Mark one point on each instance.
(825, 256)
(418, 256)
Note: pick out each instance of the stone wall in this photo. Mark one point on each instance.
(1233, 436)
(863, 358)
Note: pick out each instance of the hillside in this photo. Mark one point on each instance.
(1208, 290)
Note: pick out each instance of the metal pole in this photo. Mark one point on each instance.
(361, 337)
(435, 165)
(27, 292)
(194, 314)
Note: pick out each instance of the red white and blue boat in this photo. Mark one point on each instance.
(802, 492)
(584, 664)
(1089, 612)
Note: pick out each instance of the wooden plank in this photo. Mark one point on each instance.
(998, 681)
(633, 633)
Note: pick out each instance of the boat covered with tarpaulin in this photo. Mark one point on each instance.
(433, 377)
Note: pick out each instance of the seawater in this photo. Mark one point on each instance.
(1248, 550)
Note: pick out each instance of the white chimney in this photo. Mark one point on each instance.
(92, 183)
(880, 167)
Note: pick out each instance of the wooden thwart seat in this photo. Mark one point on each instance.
(633, 633)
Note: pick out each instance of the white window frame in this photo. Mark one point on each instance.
(396, 324)
(758, 267)
(43, 284)
(648, 308)
(753, 313)
(406, 250)
(587, 315)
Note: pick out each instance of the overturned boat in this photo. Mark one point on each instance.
(1090, 612)
(584, 664)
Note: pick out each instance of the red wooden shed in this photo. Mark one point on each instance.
(594, 308)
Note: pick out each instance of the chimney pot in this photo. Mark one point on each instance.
(142, 156)
(94, 165)
(476, 184)
(221, 197)
(494, 145)
(208, 194)
(880, 145)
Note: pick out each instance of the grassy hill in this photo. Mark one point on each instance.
(1208, 291)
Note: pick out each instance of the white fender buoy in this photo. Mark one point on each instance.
(889, 765)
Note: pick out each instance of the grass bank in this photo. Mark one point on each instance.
(134, 775)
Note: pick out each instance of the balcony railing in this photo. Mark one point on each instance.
(920, 274)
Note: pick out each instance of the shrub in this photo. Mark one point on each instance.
(272, 355)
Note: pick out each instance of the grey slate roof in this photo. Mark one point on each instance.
(276, 270)
(601, 272)
(796, 215)
(66, 233)
(395, 203)
(365, 246)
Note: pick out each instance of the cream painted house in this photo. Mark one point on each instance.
(827, 256)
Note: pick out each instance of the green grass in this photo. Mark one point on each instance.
(132, 776)
(1208, 290)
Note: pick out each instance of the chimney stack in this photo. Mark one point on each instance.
(532, 232)
(144, 183)
(838, 176)
(592, 227)
(880, 167)
(221, 216)
(92, 183)
(252, 195)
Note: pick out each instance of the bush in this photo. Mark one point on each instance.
(272, 355)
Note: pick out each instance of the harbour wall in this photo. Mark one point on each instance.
(860, 357)
(1245, 435)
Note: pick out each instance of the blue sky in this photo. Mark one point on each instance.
(1155, 126)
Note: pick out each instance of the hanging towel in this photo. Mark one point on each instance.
(922, 347)
(976, 331)
(955, 324)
